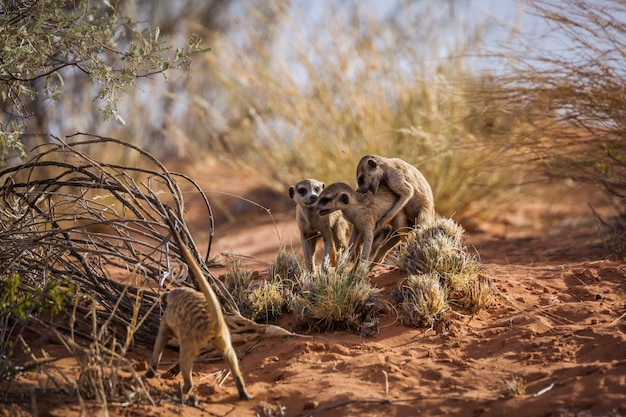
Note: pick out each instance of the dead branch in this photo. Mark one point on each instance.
(99, 227)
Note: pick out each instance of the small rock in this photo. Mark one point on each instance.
(598, 296)
(310, 405)
(140, 366)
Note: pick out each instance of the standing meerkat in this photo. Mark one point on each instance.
(332, 229)
(363, 210)
(196, 319)
(402, 178)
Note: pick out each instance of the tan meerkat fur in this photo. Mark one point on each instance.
(332, 228)
(363, 211)
(415, 195)
(196, 319)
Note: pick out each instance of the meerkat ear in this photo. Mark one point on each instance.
(292, 191)
(323, 185)
(344, 198)
(371, 163)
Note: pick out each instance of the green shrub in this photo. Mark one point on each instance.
(19, 303)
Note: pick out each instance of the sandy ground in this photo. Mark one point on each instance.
(557, 334)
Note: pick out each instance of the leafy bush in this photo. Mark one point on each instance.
(42, 39)
(17, 306)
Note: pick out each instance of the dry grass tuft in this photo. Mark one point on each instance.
(287, 267)
(439, 248)
(443, 273)
(267, 301)
(514, 388)
(424, 301)
(237, 282)
(339, 299)
(478, 294)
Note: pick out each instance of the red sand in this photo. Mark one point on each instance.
(559, 331)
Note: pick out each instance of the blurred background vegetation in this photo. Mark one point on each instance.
(303, 89)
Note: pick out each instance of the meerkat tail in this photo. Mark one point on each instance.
(218, 328)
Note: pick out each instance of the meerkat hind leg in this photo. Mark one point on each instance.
(224, 345)
(186, 357)
(159, 346)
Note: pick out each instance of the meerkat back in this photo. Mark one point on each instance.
(188, 317)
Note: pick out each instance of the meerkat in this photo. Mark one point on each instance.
(363, 211)
(415, 195)
(332, 228)
(196, 319)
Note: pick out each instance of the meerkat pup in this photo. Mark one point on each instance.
(332, 228)
(196, 319)
(363, 211)
(415, 195)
